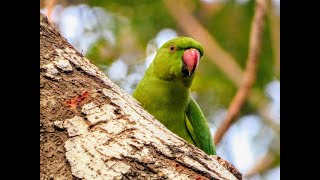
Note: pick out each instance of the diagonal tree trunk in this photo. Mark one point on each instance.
(91, 129)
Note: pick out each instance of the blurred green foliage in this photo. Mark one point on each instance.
(230, 25)
(96, 52)
(147, 17)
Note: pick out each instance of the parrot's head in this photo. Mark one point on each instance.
(177, 60)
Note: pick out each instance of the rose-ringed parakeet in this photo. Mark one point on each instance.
(164, 92)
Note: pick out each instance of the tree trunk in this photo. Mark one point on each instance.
(91, 129)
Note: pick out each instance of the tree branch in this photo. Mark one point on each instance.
(216, 54)
(50, 7)
(193, 28)
(91, 129)
(262, 164)
(250, 72)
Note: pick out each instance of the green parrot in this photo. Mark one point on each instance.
(164, 92)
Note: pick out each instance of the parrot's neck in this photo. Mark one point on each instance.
(171, 96)
(167, 101)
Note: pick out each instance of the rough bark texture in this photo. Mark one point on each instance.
(91, 129)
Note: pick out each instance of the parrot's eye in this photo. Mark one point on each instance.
(172, 48)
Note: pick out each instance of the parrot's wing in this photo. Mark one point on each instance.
(198, 127)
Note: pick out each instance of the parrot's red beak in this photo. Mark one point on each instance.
(191, 59)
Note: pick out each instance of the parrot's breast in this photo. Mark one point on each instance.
(167, 102)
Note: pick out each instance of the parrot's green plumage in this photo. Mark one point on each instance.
(164, 92)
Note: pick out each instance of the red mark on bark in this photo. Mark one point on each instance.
(76, 101)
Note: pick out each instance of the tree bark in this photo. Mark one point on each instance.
(91, 129)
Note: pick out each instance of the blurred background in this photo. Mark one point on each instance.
(121, 37)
